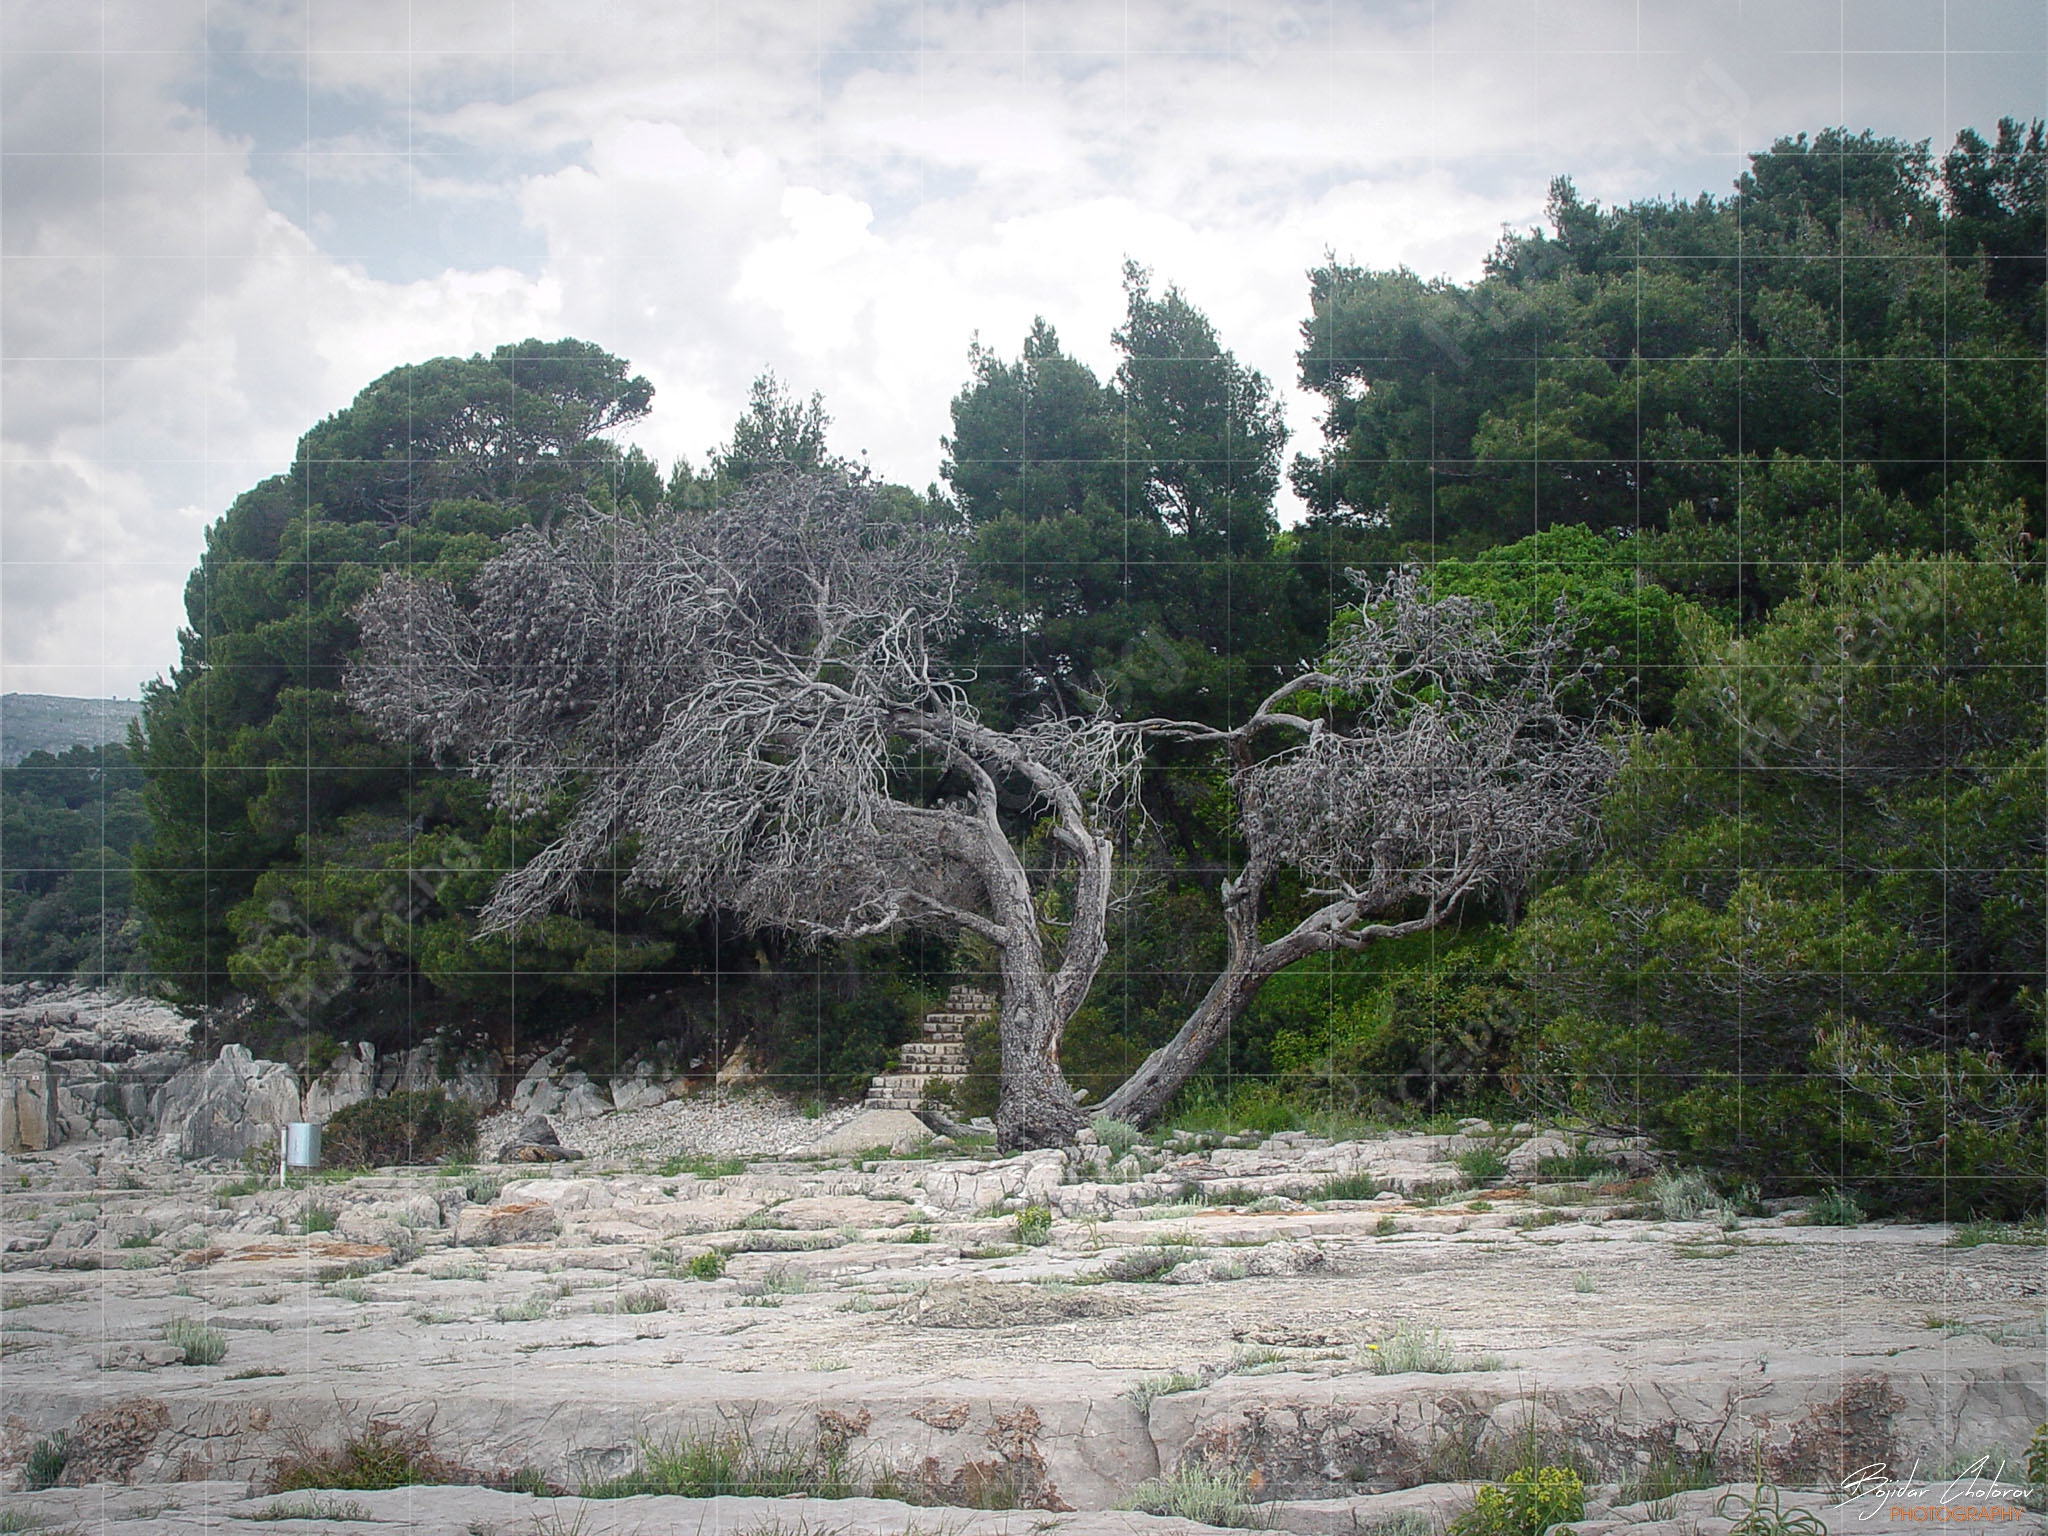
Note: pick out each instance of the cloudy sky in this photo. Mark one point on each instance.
(219, 219)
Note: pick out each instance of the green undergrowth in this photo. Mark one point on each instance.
(732, 1460)
(1222, 1496)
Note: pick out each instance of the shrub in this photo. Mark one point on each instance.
(1348, 1186)
(639, 1303)
(1529, 1503)
(383, 1455)
(1409, 1348)
(734, 1462)
(1117, 1135)
(2037, 1457)
(1574, 1166)
(1222, 1497)
(1482, 1165)
(1034, 1226)
(46, 1460)
(709, 1265)
(1683, 1196)
(319, 1218)
(202, 1345)
(1835, 1208)
(423, 1126)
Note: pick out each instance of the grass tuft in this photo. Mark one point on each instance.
(1222, 1497)
(383, 1455)
(202, 1345)
(1348, 1186)
(1426, 1350)
(313, 1509)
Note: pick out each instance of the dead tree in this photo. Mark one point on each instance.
(1443, 763)
(750, 700)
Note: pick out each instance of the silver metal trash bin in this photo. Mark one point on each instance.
(302, 1145)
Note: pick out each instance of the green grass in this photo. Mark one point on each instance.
(45, 1463)
(202, 1345)
(1427, 1350)
(1836, 1208)
(638, 1303)
(702, 1167)
(1154, 1387)
(1668, 1475)
(381, 1456)
(138, 1239)
(1220, 1497)
(2029, 1233)
(319, 1218)
(235, 1189)
(1575, 1166)
(1348, 1186)
(1482, 1165)
(733, 1461)
(313, 1509)
(531, 1310)
(785, 1280)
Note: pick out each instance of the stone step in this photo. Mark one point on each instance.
(934, 1058)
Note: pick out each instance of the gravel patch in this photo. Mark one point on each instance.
(718, 1123)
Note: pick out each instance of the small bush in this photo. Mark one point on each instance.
(46, 1460)
(1482, 1165)
(424, 1126)
(319, 1218)
(1684, 1196)
(2037, 1457)
(1222, 1497)
(1836, 1208)
(1034, 1226)
(202, 1345)
(1117, 1135)
(709, 1265)
(1529, 1503)
(384, 1455)
(639, 1303)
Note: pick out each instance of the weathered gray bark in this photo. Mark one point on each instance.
(752, 698)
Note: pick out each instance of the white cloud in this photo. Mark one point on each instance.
(844, 191)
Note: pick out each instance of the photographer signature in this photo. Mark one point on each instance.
(1972, 1494)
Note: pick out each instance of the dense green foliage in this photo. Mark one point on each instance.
(1815, 948)
(68, 822)
(411, 1126)
(295, 857)
(1801, 371)
(1780, 452)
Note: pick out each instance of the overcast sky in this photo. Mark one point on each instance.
(219, 219)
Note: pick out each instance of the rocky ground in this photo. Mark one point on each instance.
(1324, 1338)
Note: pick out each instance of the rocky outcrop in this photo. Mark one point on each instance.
(536, 1142)
(223, 1109)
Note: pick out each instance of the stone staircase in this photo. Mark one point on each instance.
(939, 1057)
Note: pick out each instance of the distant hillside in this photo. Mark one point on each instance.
(42, 722)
